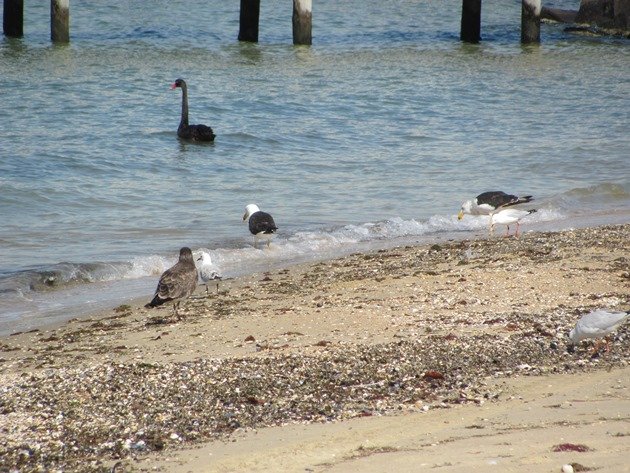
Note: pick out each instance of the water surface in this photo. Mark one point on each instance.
(372, 136)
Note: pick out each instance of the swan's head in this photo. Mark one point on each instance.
(466, 209)
(178, 83)
(250, 209)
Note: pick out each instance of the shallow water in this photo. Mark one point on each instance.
(372, 136)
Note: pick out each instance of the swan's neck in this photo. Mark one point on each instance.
(184, 120)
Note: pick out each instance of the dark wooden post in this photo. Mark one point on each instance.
(302, 22)
(530, 21)
(60, 21)
(471, 21)
(250, 13)
(13, 18)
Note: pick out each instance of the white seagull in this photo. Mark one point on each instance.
(489, 202)
(207, 270)
(507, 217)
(261, 224)
(597, 324)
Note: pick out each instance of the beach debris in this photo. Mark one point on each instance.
(432, 374)
(570, 447)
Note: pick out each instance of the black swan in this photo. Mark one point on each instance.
(177, 282)
(186, 131)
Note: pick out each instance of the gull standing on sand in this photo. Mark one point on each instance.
(507, 217)
(489, 202)
(597, 324)
(177, 282)
(207, 271)
(261, 224)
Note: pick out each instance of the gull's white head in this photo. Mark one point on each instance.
(466, 209)
(204, 258)
(250, 209)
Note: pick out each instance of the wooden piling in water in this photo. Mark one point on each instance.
(60, 21)
(471, 21)
(302, 22)
(530, 21)
(13, 18)
(250, 14)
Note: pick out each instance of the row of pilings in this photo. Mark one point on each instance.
(13, 20)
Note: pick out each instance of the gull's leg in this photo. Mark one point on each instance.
(596, 348)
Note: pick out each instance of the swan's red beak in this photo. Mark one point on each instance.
(173, 86)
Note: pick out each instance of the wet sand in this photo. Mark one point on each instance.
(451, 355)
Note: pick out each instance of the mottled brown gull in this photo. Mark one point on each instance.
(176, 283)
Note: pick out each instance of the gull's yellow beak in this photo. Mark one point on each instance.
(245, 217)
(460, 215)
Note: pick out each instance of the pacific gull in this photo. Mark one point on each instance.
(489, 202)
(177, 282)
(207, 271)
(186, 131)
(597, 324)
(507, 217)
(261, 224)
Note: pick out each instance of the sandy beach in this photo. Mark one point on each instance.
(451, 357)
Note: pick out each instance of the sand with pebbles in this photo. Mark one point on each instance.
(451, 356)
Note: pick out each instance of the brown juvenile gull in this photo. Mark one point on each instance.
(489, 202)
(261, 224)
(597, 324)
(176, 283)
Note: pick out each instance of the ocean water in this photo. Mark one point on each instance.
(371, 137)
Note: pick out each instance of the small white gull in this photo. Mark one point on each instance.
(597, 324)
(507, 217)
(207, 270)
